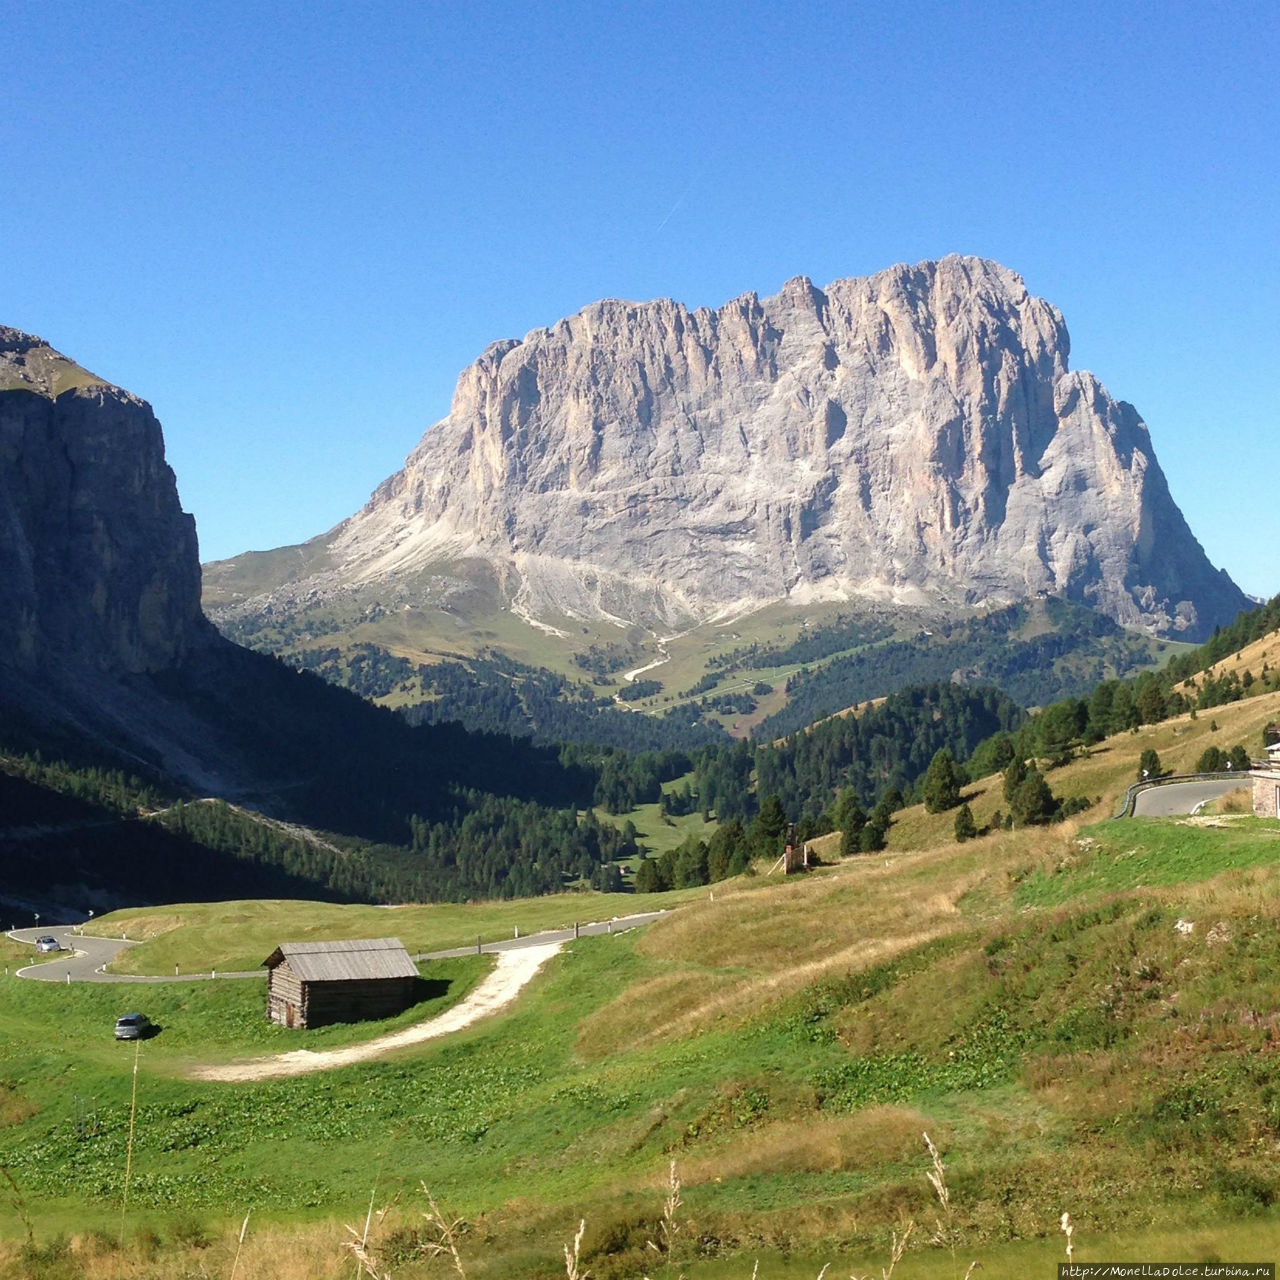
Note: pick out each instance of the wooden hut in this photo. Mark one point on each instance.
(311, 984)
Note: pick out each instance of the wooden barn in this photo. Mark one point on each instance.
(311, 984)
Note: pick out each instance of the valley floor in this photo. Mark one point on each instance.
(1081, 1018)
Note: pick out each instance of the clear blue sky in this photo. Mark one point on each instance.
(289, 226)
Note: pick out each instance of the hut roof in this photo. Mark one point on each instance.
(358, 958)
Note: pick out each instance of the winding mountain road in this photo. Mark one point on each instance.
(87, 955)
(83, 959)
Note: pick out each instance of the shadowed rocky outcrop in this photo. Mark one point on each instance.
(98, 561)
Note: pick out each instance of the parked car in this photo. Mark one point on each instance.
(133, 1026)
(48, 943)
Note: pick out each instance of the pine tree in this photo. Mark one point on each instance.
(966, 828)
(772, 819)
(941, 783)
(1033, 803)
(871, 838)
(850, 818)
(1014, 776)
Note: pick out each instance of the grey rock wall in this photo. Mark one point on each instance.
(99, 565)
(915, 436)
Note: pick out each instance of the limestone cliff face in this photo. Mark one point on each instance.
(99, 566)
(914, 436)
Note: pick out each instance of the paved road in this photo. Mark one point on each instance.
(85, 963)
(619, 924)
(1182, 797)
(83, 958)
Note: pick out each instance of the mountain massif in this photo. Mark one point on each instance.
(913, 437)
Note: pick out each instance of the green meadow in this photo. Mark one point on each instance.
(785, 1045)
(1083, 1019)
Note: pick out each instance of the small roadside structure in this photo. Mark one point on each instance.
(313, 984)
(1266, 784)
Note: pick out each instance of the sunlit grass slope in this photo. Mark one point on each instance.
(230, 936)
(1083, 1018)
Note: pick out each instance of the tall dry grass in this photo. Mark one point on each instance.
(875, 1137)
(312, 1252)
(154, 1253)
(720, 963)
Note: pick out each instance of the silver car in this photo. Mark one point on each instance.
(133, 1026)
(48, 943)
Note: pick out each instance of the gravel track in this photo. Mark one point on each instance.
(514, 970)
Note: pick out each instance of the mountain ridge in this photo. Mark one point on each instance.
(913, 437)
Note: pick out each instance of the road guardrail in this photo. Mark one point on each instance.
(1132, 794)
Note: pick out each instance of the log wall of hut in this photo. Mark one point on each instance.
(294, 1003)
(355, 999)
(284, 996)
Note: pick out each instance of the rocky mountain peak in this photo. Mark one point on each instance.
(912, 436)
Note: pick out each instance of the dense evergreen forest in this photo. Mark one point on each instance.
(883, 751)
(430, 812)
(888, 747)
(91, 834)
(86, 846)
(398, 803)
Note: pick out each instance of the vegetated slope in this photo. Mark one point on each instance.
(1250, 645)
(1200, 702)
(1026, 999)
(913, 436)
(1100, 772)
(70, 846)
(1201, 680)
(430, 813)
(494, 694)
(1035, 652)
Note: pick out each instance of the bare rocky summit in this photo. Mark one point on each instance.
(913, 437)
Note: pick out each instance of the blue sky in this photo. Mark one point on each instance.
(290, 226)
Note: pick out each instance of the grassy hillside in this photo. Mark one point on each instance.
(1104, 771)
(1256, 657)
(1030, 999)
(235, 936)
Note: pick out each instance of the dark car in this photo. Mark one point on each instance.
(48, 943)
(133, 1026)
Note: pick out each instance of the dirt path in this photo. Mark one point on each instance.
(512, 972)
